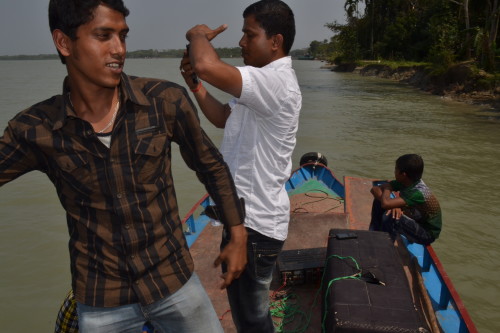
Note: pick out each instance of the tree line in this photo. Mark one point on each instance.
(233, 52)
(440, 32)
(224, 52)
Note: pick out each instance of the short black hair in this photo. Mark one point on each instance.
(275, 17)
(68, 15)
(412, 165)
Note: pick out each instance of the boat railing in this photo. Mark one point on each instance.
(448, 306)
(193, 225)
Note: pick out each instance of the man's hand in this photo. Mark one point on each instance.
(203, 30)
(234, 255)
(187, 71)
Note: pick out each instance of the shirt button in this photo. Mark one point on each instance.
(119, 195)
(132, 257)
(127, 226)
(137, 282)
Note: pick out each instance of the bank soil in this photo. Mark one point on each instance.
(458, 83)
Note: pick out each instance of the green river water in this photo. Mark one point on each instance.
(362, 124)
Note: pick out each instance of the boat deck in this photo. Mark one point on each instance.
(311, 220)
(358, 202)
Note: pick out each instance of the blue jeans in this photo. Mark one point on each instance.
(187, 310)
(405, 225)
(249, 295)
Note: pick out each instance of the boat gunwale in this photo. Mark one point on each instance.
(454, 295)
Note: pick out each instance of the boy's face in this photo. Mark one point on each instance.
(97, 55)
(400, 176)
(255, 46)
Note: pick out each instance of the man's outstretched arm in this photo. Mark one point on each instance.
(206, 63)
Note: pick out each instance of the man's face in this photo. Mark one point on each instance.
(97, 55)
(256, 48)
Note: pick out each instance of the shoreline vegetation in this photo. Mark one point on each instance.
(452, 45)
(461, 82)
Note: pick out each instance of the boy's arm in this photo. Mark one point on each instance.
(383, 194)
(16, 158)
(201, 155)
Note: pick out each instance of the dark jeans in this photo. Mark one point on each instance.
(249, 295)
(405, 226)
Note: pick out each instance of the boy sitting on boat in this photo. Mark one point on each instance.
(415, 213)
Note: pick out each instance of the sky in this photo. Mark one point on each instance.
(162, 24)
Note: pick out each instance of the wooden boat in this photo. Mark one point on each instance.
(319, 203)
(306, 57)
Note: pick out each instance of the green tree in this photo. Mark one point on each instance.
(442, 31)
(345, 41)
(445, 38)
(314, 48)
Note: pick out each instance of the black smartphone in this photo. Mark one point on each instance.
(193, 76)
(346, 235)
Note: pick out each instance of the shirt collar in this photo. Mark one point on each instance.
(281, 62)
(131, 91)
(65, 109)
(128, 90)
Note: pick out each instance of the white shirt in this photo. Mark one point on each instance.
(259, 138)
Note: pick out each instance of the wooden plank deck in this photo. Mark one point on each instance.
(306, 230)
(358, 201)
(204, 251)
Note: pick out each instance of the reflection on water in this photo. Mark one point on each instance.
(362, 124)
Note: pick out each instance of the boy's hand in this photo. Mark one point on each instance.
(395, 212)
(234, 255)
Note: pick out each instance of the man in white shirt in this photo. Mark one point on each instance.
(260, 124)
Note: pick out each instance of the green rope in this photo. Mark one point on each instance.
(355, 276)
(288, 311)
(309, 194)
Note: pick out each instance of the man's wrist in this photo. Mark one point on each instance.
(198, 87)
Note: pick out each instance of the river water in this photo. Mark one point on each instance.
(362, 124)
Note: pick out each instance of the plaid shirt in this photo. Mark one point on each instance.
(67, 318)
(126, 239)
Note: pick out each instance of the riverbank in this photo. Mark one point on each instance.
(458, 83)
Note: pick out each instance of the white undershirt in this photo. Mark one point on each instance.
(105, 138)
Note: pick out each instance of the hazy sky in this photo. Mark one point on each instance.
(162, 24)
